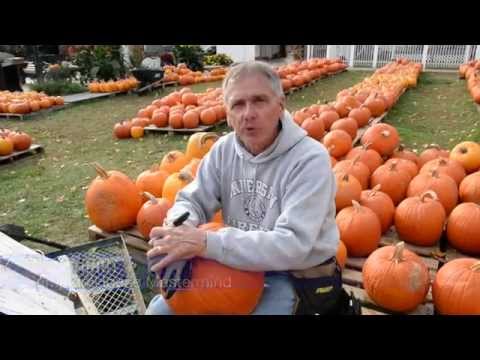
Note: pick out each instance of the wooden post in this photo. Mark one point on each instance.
(352, 55)
(424, 56)
(375, 56)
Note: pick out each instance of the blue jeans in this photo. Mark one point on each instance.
(278, 298)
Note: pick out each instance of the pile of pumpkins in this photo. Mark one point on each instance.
(122, 85)
(27, 102)
(471, 72)
(186, 76)
(354, 107)
(300, 73)
(11, 141)
(179, 109)
(381, 184)
(115, 202)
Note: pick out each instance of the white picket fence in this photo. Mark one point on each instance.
(433, 57)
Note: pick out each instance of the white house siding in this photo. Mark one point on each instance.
(238, 53)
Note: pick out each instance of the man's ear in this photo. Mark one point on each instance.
(282, 103)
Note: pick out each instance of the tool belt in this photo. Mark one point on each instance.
(319, 291)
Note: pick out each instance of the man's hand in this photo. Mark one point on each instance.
(179, 243)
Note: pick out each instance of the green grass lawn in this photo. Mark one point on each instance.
(45, 193)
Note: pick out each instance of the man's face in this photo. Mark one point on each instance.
(253, 110)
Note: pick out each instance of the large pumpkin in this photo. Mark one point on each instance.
(368, 156)
(348, 189)
(450, 298)
(217, 289)
(112, 200)
(463, 228)
(174, 161)
(152, 214)
(446, 166)
(467, 153)
(430, 153)
(356, 168)
(393, 181)
(396, 278)
(359, 228)
(338, 143)
(419, 220)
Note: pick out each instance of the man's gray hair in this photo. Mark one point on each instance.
(253, 67)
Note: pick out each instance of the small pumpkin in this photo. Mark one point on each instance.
(338, 143)
(328, 117)
(151, 214)
(419, 220)
(393, 181)
(137, 132)
(383, 138)
(446, 166)
(348, 124)
(361, 115)
(21, 141)
(463, 228)
(467, 153)
(381, 204)
(469, 190)
(174, 183)
(404, 165)
(450, 298)
(443, 185)
(314, 127)
(402, 153)
(112, 200)
(208, 117)
(432, 152)
(396, 278)
(348, 189)
(368, 156)
(152, 180)
(121, 130)
(6, 146)
(356, 168)
(174, 161)
(359, 228)
(159, 118)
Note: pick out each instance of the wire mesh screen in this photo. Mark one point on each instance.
(107, 274)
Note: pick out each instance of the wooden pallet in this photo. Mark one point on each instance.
(313, 82)
(34, 149)
(371, 122)
(137, 248)
(353, 279)
(452, 254)
(32, 114)
(171, 130)
(87, 96)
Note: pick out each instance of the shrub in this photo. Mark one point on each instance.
(218, 59)
(58, 87)
(103, 62)
(191, 55)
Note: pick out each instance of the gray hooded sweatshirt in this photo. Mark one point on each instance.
(279, 205)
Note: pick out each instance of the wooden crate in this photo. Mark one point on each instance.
(34, 149)
(170, 130)
(32, 114)
(353, 279)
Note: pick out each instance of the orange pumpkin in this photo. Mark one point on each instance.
(396, 278)
(189, 98)
(122, 129)
(348, 124)
(21, 141)
(342, 254)
(212, 226)
(393, 181)
(152, 180)
(469, 190)
(419, 220)
(463, 228)
(376, 105)
(159, 118)
(338, 143)
(314, 127)
(216, 289)
(173, 161)
(174, 183)
(208, 117)
(175, 120)
(450, 298)
(359, 228)
(218, 217)
(199, 144)
(355, 168)
(404, 165)
(137, 132)
(6, 146)
(361, 115)
(192, 166)
(383, 138)
(443, 185)
(368, 156)
(191, 119)
(381, 204)
(402, 153)
(112, 200)
(432, 152)
(152, 214)
(467, 153)
(348, 189)
(328, 117)
(446, 166)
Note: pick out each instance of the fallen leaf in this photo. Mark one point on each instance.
(73, 188)
(84, 187)
(60, 199)
(46, 198)
(21, 200)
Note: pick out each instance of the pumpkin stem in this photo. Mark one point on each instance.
(463, 150)
(476, 266)
(367, 145)
(429, 193)
(356, 205)
(401, 148)
(185, 176)
(393, 165)
(345, 177)
(442, 161)
(208, 136)
(385, 133)
(154, 168)
(398, 254)
(376, 188)
(100, 171)
(150, 197)
(434, 172)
